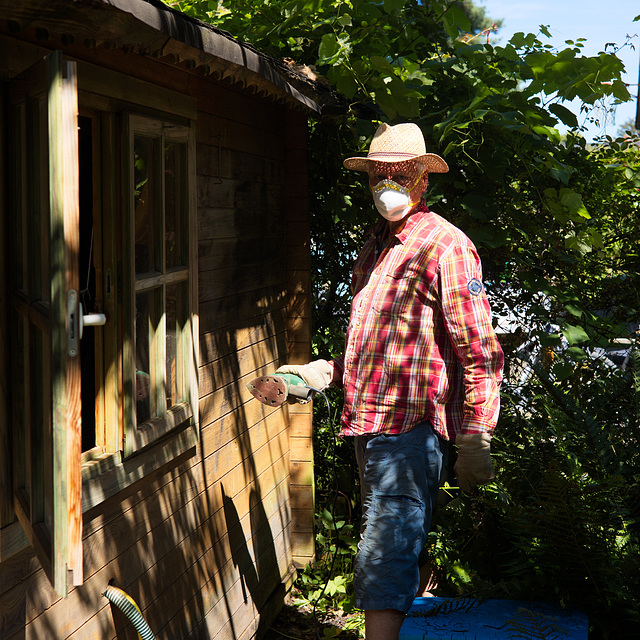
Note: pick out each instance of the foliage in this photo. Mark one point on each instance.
(327, 583)
(556, 222)
(563, 521)
(527, 197)
(628, 128)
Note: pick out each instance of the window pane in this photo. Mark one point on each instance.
(144, 203)
(174, 199)
(176, 317)
(162, 355)
(143, 360)
(88, 296)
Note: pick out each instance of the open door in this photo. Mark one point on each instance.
(46, 391)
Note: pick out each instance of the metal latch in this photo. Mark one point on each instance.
(72, 323)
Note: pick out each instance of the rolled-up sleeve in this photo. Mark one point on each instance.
(467, 318)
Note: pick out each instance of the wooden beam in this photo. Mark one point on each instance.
(65, 247)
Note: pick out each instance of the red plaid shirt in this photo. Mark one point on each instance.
(420, 344)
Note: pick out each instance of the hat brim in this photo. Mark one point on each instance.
(433, 162)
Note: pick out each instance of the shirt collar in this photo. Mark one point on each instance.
(379, 230)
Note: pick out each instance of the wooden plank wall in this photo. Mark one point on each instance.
(299, 336)
(206, 545)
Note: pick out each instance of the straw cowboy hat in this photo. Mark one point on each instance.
(397, 144)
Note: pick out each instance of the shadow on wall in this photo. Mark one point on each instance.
(258, 574)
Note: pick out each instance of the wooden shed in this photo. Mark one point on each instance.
(154, 258)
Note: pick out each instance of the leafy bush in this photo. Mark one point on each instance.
(562, 521)
(328, 582)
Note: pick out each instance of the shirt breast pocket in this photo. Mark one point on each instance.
(398, 294)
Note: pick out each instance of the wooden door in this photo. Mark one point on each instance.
(44, 234)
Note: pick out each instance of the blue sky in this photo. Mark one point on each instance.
(597, 21)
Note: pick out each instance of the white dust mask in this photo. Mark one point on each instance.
(393, 201)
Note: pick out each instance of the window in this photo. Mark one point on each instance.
(103, 295)
(159, 364)
(139, 262)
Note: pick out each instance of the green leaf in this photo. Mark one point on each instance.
(455, 20)
(550, 339)
(573, 201)
(560, 172)
(596, 238)
(329, 47)
(388, 105)
(409, 107)
(578, 242)
(346, 84)
(562, 370)
(574, 334)
(381, 64)
(460, 572)
(517, 40)
(550, 132)
(576, 353)
(391, 6)
(573, 310)
(566, 117)
(620, 91)
(489, 236)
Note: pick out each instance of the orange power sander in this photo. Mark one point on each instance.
(274, 389)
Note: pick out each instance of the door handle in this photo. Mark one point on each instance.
(89, 319)
(77, 321)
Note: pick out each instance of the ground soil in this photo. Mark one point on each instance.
(299, 623)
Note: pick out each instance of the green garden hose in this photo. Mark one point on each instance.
(128, 606)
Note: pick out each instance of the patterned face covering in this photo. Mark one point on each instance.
(395, 187)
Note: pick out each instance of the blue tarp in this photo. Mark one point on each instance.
(470, 619)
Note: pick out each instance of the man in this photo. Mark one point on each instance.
(421, 362)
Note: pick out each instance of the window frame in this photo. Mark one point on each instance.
(45, 418)
(182, 414)
(124, 459)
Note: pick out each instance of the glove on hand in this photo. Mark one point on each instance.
(317, 374)
(473, 466)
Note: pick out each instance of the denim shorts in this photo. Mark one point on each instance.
(399, 480)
